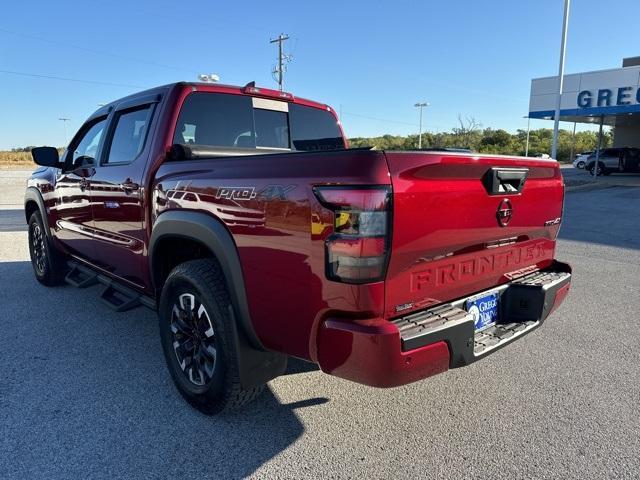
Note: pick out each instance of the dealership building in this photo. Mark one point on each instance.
(608, 96)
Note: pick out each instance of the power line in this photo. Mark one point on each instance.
(66, 79)
(385, 120)
(99, 52)
(201, 18)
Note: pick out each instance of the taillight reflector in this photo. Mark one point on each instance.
(357, 250)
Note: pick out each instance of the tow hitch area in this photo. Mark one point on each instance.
(522, 305)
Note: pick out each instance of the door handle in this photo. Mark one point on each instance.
(129, 186)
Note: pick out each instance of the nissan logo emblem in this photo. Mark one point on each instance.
(505, 212)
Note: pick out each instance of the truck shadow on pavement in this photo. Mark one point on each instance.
(84, 392)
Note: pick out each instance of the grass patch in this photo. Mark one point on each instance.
(16, 159)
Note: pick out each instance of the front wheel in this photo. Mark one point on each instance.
(46, 260)
(198, 338)
(580, 165)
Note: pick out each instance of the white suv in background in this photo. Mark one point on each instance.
(581, 159)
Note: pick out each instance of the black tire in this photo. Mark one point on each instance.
(580, 165)
(601, 170)
(47, 262)
(206, 375)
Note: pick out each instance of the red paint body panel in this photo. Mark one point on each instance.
(560, 296)
(446, 237)
(369, 353)
(445, 240)
(282, 262)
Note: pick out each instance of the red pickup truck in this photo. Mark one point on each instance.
(243, 218)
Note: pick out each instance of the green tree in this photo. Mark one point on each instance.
(469, 135)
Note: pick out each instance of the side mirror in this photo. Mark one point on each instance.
(46, 156)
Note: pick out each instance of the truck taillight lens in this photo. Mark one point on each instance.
(357, 250)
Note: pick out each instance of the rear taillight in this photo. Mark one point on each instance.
(357, 250)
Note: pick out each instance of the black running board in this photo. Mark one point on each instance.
(115, 295)
(80, 277)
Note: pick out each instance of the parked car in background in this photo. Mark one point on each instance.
(615, 160)
(581, 159)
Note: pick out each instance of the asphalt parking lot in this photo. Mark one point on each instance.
(581, 179)
(84, 392)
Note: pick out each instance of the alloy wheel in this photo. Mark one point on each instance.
(194, 339)
(38, 248)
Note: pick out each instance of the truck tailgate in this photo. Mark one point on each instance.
(459, 227)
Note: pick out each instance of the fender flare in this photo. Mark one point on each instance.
(209, 231)
(257, 365)
(32, 194)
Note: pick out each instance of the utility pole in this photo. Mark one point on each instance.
(421, 105)
(64, 122)
(282, 58)
(563, 48)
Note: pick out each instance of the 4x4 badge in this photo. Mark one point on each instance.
(505, 212)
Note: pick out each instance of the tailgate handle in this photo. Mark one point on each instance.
(501, 181)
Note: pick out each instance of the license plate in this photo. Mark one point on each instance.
(485, 309)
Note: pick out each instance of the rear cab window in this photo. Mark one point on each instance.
(245, 122)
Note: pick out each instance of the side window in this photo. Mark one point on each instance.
(89, 143)
(129, 135)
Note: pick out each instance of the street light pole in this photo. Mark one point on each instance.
(526, 148)
(563, 48)
(421, 105)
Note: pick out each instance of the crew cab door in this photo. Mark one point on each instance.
(117, 192)
(73, 224)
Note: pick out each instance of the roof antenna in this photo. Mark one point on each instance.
(250, 84)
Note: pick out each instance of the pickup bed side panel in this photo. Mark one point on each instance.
(267, 203)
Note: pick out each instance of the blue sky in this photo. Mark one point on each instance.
(370, 59)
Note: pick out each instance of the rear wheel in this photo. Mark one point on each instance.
(600, 169)
(47, 261)
(580, 165)
(198, 339)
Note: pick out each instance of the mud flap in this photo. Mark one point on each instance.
(256, 367)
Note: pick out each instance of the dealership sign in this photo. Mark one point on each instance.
(590, 94)
(607, 97)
